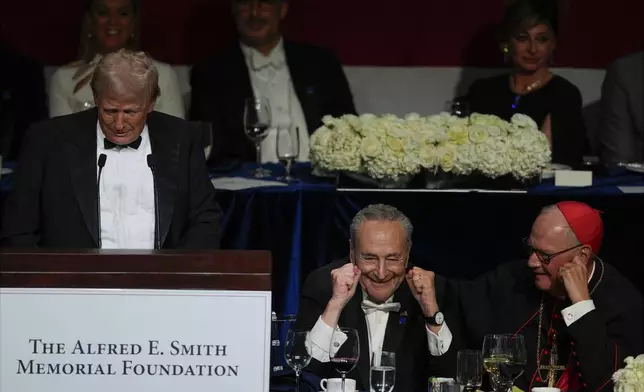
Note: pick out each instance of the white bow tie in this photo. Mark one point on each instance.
(260, 62)
(369, 307)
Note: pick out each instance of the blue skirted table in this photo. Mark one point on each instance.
(458, 233)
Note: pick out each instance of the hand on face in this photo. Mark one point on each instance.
(574, 276)
(421, 284)
(344, 280)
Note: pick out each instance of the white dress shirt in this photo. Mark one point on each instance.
(62, 99)
(127, 196)
(270, 78)
(321, 336)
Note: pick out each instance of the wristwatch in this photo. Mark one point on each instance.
(437, 319)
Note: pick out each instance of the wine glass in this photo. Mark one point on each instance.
(257, 121)
(504, 357)
(383, 371)
(458, 108)
(344, 351)
(469, 369)
(297, 352)
(288, 147)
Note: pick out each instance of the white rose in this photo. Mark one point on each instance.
(370, 147)
(523, 121)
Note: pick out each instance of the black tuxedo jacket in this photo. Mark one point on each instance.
(54, 202)
(222, 83)
(405, 334)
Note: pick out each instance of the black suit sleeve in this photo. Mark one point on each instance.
(205, 215)
(569, 141)
(21, 219)
(601, 347)
(339, 93)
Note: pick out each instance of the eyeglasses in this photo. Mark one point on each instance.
(544, 257)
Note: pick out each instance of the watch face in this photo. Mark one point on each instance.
(439, 318)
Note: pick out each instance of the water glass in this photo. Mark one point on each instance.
(469, 369)
(383, 371)
(288, 147)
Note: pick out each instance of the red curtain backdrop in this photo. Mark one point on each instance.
(362, 32)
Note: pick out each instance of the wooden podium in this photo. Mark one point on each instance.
(135, 320)
(220, 270)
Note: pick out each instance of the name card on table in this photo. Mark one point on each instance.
(73, 340)
(573, 178)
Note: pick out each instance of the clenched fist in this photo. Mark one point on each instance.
(421, 284)
(345, 280)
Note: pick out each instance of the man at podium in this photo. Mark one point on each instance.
(118, 176)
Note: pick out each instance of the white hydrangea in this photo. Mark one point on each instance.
(631, 377)
(388, 147)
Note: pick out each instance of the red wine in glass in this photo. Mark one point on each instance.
(344, 364)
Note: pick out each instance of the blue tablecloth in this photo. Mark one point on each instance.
(305, 225)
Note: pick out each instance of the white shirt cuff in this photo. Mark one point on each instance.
(439, 344)
(321, 336)
(577, 311)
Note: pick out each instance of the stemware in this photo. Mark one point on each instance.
(288, 147)
(257, 121)
(344, 351)
(504, 357)
(297, 352)
(469, 369)
(383, 371)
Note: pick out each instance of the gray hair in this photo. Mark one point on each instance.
(380, 212)
(126, 73)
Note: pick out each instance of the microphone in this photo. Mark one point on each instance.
(152, 163)
(101, 163)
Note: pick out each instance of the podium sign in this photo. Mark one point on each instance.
(60, 339)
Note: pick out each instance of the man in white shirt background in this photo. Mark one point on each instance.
(303, 83)
(392, 306)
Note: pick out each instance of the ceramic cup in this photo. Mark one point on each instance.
(335, 385)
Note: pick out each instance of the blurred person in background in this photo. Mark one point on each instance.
(621, 138)
(23, 100)
(108, 25)
(528, 38)
(303, 83)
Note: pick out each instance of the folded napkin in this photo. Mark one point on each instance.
(238, 183)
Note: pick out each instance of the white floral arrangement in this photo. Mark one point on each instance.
(631, 377)
(389, 147)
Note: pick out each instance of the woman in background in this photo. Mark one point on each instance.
(528, 38)
(108, 25)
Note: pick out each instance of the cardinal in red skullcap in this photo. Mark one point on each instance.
(579, 317)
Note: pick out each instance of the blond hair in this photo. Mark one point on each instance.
(126, 73)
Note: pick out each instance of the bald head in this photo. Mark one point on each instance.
(552, 220)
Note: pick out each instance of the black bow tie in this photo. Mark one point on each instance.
(108, 145)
